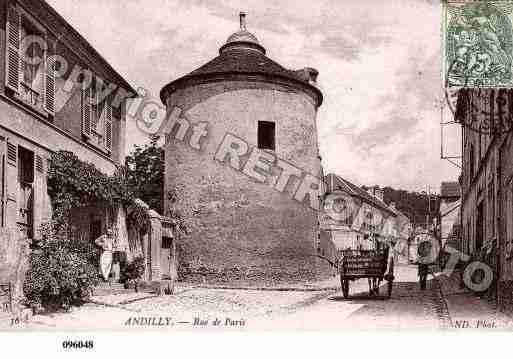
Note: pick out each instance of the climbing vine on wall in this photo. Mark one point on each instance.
(73, 183)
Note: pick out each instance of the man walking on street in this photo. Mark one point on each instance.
(424, 258)
(423, 271)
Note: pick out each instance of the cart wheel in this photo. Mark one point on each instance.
(376, 291)
(390, 285)
(345, 288)
(373, 287)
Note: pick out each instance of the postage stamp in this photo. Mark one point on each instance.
(478, 43)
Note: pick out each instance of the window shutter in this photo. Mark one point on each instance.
(11, 185)
(49, 74)
(86, 112)
(38, 194)
(3, 176)
(12, 74)
(12, 153)
(108, 126)
(39, 164)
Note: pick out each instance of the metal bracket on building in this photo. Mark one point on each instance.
(443, 124)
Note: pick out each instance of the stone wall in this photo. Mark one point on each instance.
(147, 242)
(505, 285)
(14, 252)
(505, 296)
(241, 228)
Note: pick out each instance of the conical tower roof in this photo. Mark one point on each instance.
(243, 55)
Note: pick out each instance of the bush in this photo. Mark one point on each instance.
(133, 271)
(62, 271)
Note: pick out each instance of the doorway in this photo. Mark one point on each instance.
(480, 226)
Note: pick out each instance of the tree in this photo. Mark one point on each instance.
(145, 174)
(414, 204)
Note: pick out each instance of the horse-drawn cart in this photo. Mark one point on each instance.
(370, 264)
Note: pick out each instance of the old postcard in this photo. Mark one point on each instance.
(172, 165)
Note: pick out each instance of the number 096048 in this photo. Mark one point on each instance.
(77, 344)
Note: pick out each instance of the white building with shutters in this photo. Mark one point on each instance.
(352, 218)
(56, 93)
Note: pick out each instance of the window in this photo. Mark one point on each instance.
(468, 238)
(3, 195)
(480, 226)
(25, 166)
(26, 190)
(471, 163)
(30, 79)
(31, 74)
(480, 143)
(509, 220)
(96, 119)
(491, 207)
(266, 135)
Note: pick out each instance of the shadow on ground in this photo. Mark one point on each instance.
(407, 306)
(399, 290)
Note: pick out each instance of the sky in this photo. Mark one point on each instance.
(379, 68)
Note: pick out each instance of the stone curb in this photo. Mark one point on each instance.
(129, 301)
(110, 305)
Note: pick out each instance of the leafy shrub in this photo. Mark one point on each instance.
(145, 174)
(63, 271)
(133, 271)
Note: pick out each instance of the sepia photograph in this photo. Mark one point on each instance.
(250, 166)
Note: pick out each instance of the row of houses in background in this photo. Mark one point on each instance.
(487, 185)
(352, 218)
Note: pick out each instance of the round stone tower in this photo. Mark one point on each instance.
(242, 166)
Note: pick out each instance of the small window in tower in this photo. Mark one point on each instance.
(266, 135)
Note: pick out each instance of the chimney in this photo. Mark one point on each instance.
(242, 18)
(379, 193)
(312, 74)
(308, 74)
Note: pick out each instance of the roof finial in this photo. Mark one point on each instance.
(242, 17)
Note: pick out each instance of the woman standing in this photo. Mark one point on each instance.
(106, 242)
